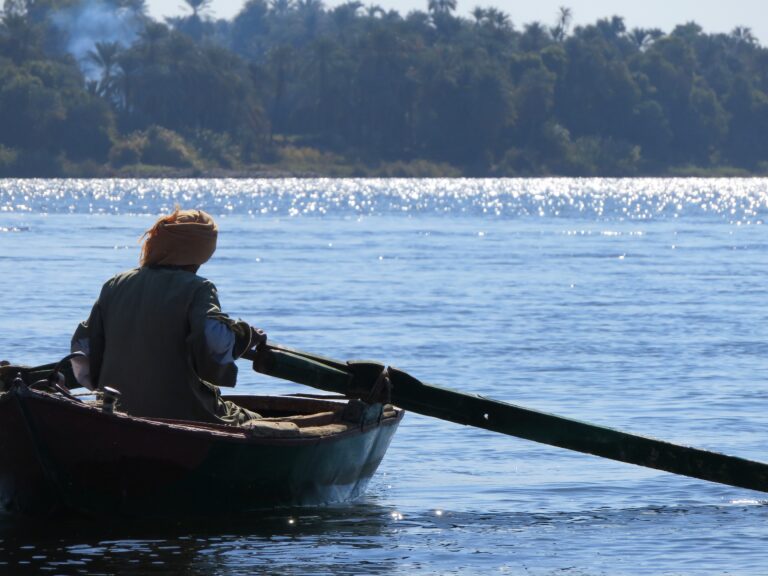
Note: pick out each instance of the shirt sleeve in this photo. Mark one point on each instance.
(89, 339)
(215, 339)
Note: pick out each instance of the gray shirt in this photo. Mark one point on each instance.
(158, 335)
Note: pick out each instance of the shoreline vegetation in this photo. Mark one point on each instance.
(361, 172)
(292, 88)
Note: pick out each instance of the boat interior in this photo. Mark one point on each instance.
(298, 415)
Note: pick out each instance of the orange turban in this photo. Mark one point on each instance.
(184, 238)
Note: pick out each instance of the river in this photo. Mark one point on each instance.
(640, 304)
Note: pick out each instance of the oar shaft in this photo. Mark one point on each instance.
(357, 380)
(301, 368)
(472, 410)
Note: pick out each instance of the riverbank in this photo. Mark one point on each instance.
(415, 169)
(170, 157)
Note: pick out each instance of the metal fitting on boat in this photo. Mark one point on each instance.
(109, 399)
(18, 382)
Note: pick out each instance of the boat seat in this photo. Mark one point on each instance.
(312, 425)
(305, 420)
(265, 428)
(327, 430)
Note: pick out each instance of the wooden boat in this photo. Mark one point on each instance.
(64, 453)
(60, 453)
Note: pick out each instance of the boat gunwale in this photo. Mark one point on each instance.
(207, 430)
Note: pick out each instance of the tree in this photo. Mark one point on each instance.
(597, 93)
(375, 11)
(744, 35)
(441, 7)
(280, 61)
(479, 15)
(643, 38)
(374, 86)
(20, 40)
(105, 57)
(748, 107)
(535, 37)
(281, 8)
(344, 14)
(138, 7)
(198, 7)
(249, 30)
(441, 13)
(177, 84)
(563, 24)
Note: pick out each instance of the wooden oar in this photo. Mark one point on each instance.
(363, 379)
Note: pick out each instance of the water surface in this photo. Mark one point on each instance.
(637, 304)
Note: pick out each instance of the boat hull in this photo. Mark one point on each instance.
(58, 455)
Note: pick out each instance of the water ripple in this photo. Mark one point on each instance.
(740, 201)
(635, 304)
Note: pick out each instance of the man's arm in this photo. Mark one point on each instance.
(89, 339)
(215, 339)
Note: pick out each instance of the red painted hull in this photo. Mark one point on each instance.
(59, 455)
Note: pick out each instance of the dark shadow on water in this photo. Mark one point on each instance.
(365, 538)
(281, 540)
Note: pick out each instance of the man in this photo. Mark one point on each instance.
(158, 335)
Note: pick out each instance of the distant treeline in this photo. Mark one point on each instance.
(98, 88)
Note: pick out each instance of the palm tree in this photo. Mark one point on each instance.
(198, 6)
(535, 37)
(442, 15)
(105, 57)
(281, 7)
(564, 18)
(280, 60)
(152, 38)
(310, 5)
(497, 19)
(320, 65)
(441, 6)
(743, 35)
(344, 14)
(611, 29)
(375, 11)
(138, 7)
(643, 37)
(479, 15)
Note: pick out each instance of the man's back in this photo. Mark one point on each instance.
(154, 319)
(158, 335)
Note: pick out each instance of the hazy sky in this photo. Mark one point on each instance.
(712, 15)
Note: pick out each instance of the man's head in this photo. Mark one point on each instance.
(185, 238)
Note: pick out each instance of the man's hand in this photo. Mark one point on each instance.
(258, 337)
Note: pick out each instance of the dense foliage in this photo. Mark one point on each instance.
(96, 87)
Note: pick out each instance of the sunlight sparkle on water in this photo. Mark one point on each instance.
(741, 201)
(539, 312)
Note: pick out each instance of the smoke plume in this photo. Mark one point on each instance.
(94, 21)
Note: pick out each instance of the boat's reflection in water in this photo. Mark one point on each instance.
(279, 541)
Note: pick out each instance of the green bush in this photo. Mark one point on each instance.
(127, 152)
(416, 169)
(217, 148)
(38, 164)
(167, 148)
(306, 160)
(8, 158)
